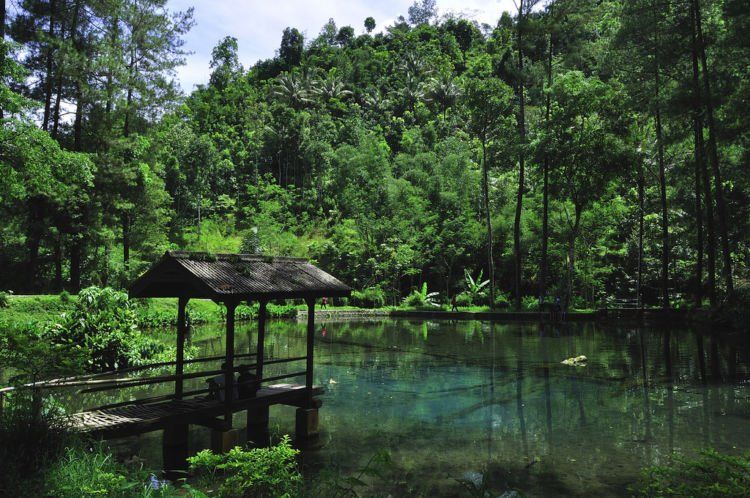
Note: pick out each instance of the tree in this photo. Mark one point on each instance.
(290, 52)
(422, 12)
(488, 101)
(369, 24)
(523, 8)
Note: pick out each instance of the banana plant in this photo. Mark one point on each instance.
(422, 298)
(474, 287)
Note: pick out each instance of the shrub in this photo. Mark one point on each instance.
(710, 475)
(32, 436)
(530, 303)
(464, 299)
(372, 297)
(65, 297)
(502, 301)
(95, 472)
(4, 301)
(421, 298)
(104, 326)
(258, 472)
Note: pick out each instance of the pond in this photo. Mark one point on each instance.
(456, 400)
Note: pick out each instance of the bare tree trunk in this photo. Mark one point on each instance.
(664, 209)
(641, 216)
(521, 161)
(58, 83)
(48, 76)
(714, 155)
(545, 186)
(126, 240)
(662, 171)
(572, 253)
(700, 166)
(488, 220)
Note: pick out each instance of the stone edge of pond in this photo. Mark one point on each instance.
(510, 316)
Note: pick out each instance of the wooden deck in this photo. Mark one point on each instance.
(135, 419)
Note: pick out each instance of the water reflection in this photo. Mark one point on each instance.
(446, 398)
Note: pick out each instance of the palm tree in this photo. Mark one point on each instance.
(330, 88)
(293, 89)
(410, 92)
(443, 91)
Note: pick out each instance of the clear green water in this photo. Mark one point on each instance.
(448, 399)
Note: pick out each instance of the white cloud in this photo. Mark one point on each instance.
(258, 24)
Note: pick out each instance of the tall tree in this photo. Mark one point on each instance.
(713, 153)
(488, 101)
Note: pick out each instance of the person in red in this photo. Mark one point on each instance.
(324, 303)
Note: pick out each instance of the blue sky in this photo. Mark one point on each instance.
(257, 24)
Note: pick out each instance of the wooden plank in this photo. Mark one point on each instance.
(130, 420)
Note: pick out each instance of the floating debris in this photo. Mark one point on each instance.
(578, 361)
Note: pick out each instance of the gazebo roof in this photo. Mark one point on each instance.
(235, 276)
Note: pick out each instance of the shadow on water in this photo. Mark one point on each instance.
(450, 399)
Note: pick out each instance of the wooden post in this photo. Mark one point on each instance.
(310, 344)
(229, 364)
(261, 339)
(181, 328)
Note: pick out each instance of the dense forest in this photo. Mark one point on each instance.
(581, 149)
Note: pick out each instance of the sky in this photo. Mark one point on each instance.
(258, 24)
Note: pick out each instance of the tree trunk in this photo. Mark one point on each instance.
(662, 174)
(545, 186)
(488, 221)
(700, 167)
(75, 263)
(701, 162)
(57, 286)
(521, 161)
(129, 100)
(48, 76)
(572, 254)
(641, 216)
(35, 231)
(126, 240)
(664, 210)
(2, 41)
(714, 156)
(58, 83)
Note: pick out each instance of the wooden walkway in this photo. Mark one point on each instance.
(132, 419)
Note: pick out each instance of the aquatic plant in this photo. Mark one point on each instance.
(711, 474)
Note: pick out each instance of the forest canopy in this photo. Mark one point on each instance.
(580, 150)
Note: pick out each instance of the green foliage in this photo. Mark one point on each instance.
(90, 472)
(103, 326)
(712, 474)
(421, 298)
(530, 303)
(475, 288)
(258, 472)
(372, 297)
(4, 299)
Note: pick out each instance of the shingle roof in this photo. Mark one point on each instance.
(241, 276)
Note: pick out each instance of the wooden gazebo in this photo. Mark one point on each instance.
(231, 279)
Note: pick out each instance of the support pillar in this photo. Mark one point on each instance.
(175, 451)
(307, 423)
(310, 348)
(257, 426)
(229, 365)
(223, 441)
(180, 356)
(261, 339)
